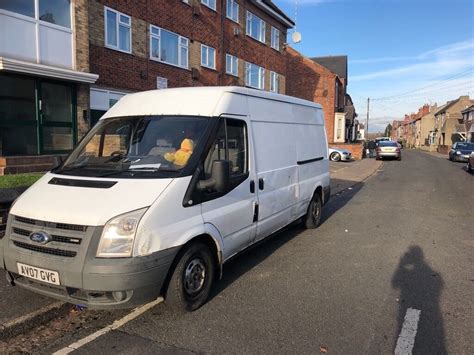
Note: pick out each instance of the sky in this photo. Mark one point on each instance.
(402, 53)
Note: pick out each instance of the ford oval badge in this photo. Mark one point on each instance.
(40, 237)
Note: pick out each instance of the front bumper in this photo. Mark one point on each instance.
(461, 157)
(97, 283)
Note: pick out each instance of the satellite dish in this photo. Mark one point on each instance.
(296, 37)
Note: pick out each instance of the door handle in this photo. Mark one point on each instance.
(261, 184)
(252, 186)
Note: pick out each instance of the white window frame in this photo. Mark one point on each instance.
(183, 42)
(274, 82)
(208, 4)
(119, 23)
(232, 16)
(275, 38)
(207, 49)
(231, 58)
(259, 36)
(261, 76)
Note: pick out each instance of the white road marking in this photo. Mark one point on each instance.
(117, 324)
(406, 339)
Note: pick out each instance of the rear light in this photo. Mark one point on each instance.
(379, 149)
(398, 150)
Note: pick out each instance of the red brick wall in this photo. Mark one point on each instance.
(357, 149)
(311, 81)
(132, 72)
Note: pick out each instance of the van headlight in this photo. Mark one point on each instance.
(118, 235)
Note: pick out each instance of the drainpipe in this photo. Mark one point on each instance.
(221, 71)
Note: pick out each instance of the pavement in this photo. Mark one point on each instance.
(345, 175)
(390, 267)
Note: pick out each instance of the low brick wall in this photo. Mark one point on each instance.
(357, 149)
(443, 149)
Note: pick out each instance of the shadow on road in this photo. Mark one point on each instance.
(420, 288)
(256, 254)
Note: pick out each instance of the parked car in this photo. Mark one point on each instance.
(338, 154)
(173, 194)
(470, 163)
(388, 149)
(460, 151)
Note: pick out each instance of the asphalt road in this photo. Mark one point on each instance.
(403, 239)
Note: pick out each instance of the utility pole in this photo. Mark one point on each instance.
(367, 121)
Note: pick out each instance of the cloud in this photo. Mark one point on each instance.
(448, 50)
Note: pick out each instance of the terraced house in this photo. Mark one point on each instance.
(63, 63)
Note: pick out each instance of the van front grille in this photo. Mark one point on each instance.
(64, 226)
(54, 238)
(65, 239)
(45, 250)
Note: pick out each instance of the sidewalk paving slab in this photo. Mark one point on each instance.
(345, 175)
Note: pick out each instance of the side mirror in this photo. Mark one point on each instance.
(220, 177)
(57, 161)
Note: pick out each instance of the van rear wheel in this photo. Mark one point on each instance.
(312, 219)
(190, 284)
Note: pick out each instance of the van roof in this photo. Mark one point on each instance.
(196, 101)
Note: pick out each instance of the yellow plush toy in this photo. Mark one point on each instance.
(181, 156)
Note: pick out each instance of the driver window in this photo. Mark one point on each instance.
(230, 144)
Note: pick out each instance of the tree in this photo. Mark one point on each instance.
(388, 130)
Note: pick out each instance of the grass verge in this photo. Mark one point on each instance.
(18, 180)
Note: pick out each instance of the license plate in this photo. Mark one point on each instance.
(36, 273)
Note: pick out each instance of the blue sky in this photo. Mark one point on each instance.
(402, 53)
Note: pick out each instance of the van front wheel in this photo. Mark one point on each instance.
(313, 216)
(190, 284)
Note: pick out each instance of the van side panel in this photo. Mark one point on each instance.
(310, 145)
(276, 165)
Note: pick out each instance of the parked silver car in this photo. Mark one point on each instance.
(338, 154)
(388, 149)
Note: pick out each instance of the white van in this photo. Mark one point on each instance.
(166, 188)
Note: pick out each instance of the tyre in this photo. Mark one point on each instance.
(312, 219)
(469, 167)
(190, 284)
(335, 156)
(399, 158)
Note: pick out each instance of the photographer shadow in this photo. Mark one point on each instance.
(420, 288)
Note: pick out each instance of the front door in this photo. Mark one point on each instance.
(233, 213)
(56, 117)
(37, 116)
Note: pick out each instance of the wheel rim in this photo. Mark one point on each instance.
(194, 276)
(315, 210)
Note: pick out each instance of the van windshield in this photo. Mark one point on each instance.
(145, 146)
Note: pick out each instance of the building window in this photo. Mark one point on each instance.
(255, 27)
(274, 82)
(254, 76)
(209, 3)
(208, 57)
(233, 10)
(168, 47)
(231, 65)
(275, 40)
(118, 33)
(56, 12)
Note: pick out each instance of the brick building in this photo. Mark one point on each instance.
(184, 43)
(313, 81)
(66, 63)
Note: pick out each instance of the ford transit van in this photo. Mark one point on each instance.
(163, 190)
